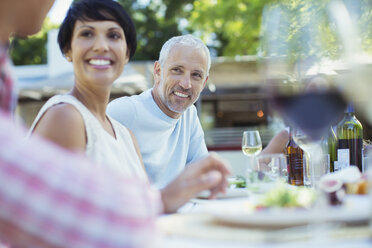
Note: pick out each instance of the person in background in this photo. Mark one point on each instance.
(278, 143)
(52, 197)
(164, 118)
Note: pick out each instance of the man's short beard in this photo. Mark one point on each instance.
(162, 96)
(165, 101)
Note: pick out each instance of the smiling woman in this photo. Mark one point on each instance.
(98, 51)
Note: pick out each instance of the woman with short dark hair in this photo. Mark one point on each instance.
(97, 10)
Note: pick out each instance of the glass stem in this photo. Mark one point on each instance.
(315, 152)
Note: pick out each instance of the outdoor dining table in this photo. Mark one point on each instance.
(195, 225)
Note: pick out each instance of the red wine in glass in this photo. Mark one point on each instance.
(313, 111)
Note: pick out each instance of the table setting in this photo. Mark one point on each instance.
(324, 204)
(243, 221)
(272, 212)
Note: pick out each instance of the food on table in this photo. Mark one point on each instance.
(353, 181)
(286, 196)
(237, 182)
(334, 190)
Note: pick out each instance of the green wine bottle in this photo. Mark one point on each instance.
(350, 141)
(332, 149)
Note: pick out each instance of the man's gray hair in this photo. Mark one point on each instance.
(188, 40)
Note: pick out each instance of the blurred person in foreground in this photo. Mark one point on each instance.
(164, 118)
(57, 198)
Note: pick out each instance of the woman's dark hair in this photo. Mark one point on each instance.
(96, 10)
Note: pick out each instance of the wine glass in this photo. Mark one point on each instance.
(251, 146)
(297, 41)
(303, 140)
(354, 24)
(251, 143)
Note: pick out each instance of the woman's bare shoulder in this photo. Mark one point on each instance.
(64, 125)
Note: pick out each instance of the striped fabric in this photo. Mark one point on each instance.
(7, 94)
(60, 198)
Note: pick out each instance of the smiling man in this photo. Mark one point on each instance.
(164, 119)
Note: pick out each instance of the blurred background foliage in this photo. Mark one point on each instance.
(158, 20)
(32, 50)
(229, 28)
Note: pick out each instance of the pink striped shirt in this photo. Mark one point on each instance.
(65, 200)
(7, 95)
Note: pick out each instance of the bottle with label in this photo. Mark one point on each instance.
(350, 141)
(332, 149)
(295, 162)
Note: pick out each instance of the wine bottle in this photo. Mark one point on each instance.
(295, 162)
(350, 141)
(332, 149)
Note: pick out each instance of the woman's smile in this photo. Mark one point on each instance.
(98, 51)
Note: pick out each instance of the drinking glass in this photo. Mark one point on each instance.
(270, 169)
(251, 146)
(355, 25)
(251, 143)
(298, 48)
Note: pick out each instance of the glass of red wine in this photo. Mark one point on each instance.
(299, 52)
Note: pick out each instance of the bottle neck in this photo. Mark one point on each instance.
(349, 114)
(350, 109)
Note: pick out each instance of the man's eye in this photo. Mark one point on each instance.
(197, 75)
(176, 69)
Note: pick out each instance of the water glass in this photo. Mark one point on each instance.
(269, 169)
(322, 167)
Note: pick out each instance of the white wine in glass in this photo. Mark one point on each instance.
(251, 151)
(251, 143)
(252, 146)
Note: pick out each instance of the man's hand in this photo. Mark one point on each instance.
(209, 173)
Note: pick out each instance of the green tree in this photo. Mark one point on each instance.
(32, 50)
(362, 15)
(156, 21)
(231, 27)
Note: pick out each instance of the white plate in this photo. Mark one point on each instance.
(230, 193)
(355, 209)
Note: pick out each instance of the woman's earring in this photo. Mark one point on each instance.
(68, 58)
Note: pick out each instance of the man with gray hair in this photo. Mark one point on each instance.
(164, 119)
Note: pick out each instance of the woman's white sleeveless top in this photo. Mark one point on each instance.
(101, 147)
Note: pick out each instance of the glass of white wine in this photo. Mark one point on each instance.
(251, 143)
(251, 146)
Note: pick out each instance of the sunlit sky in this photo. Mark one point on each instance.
(58, 11)
(60, 7)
